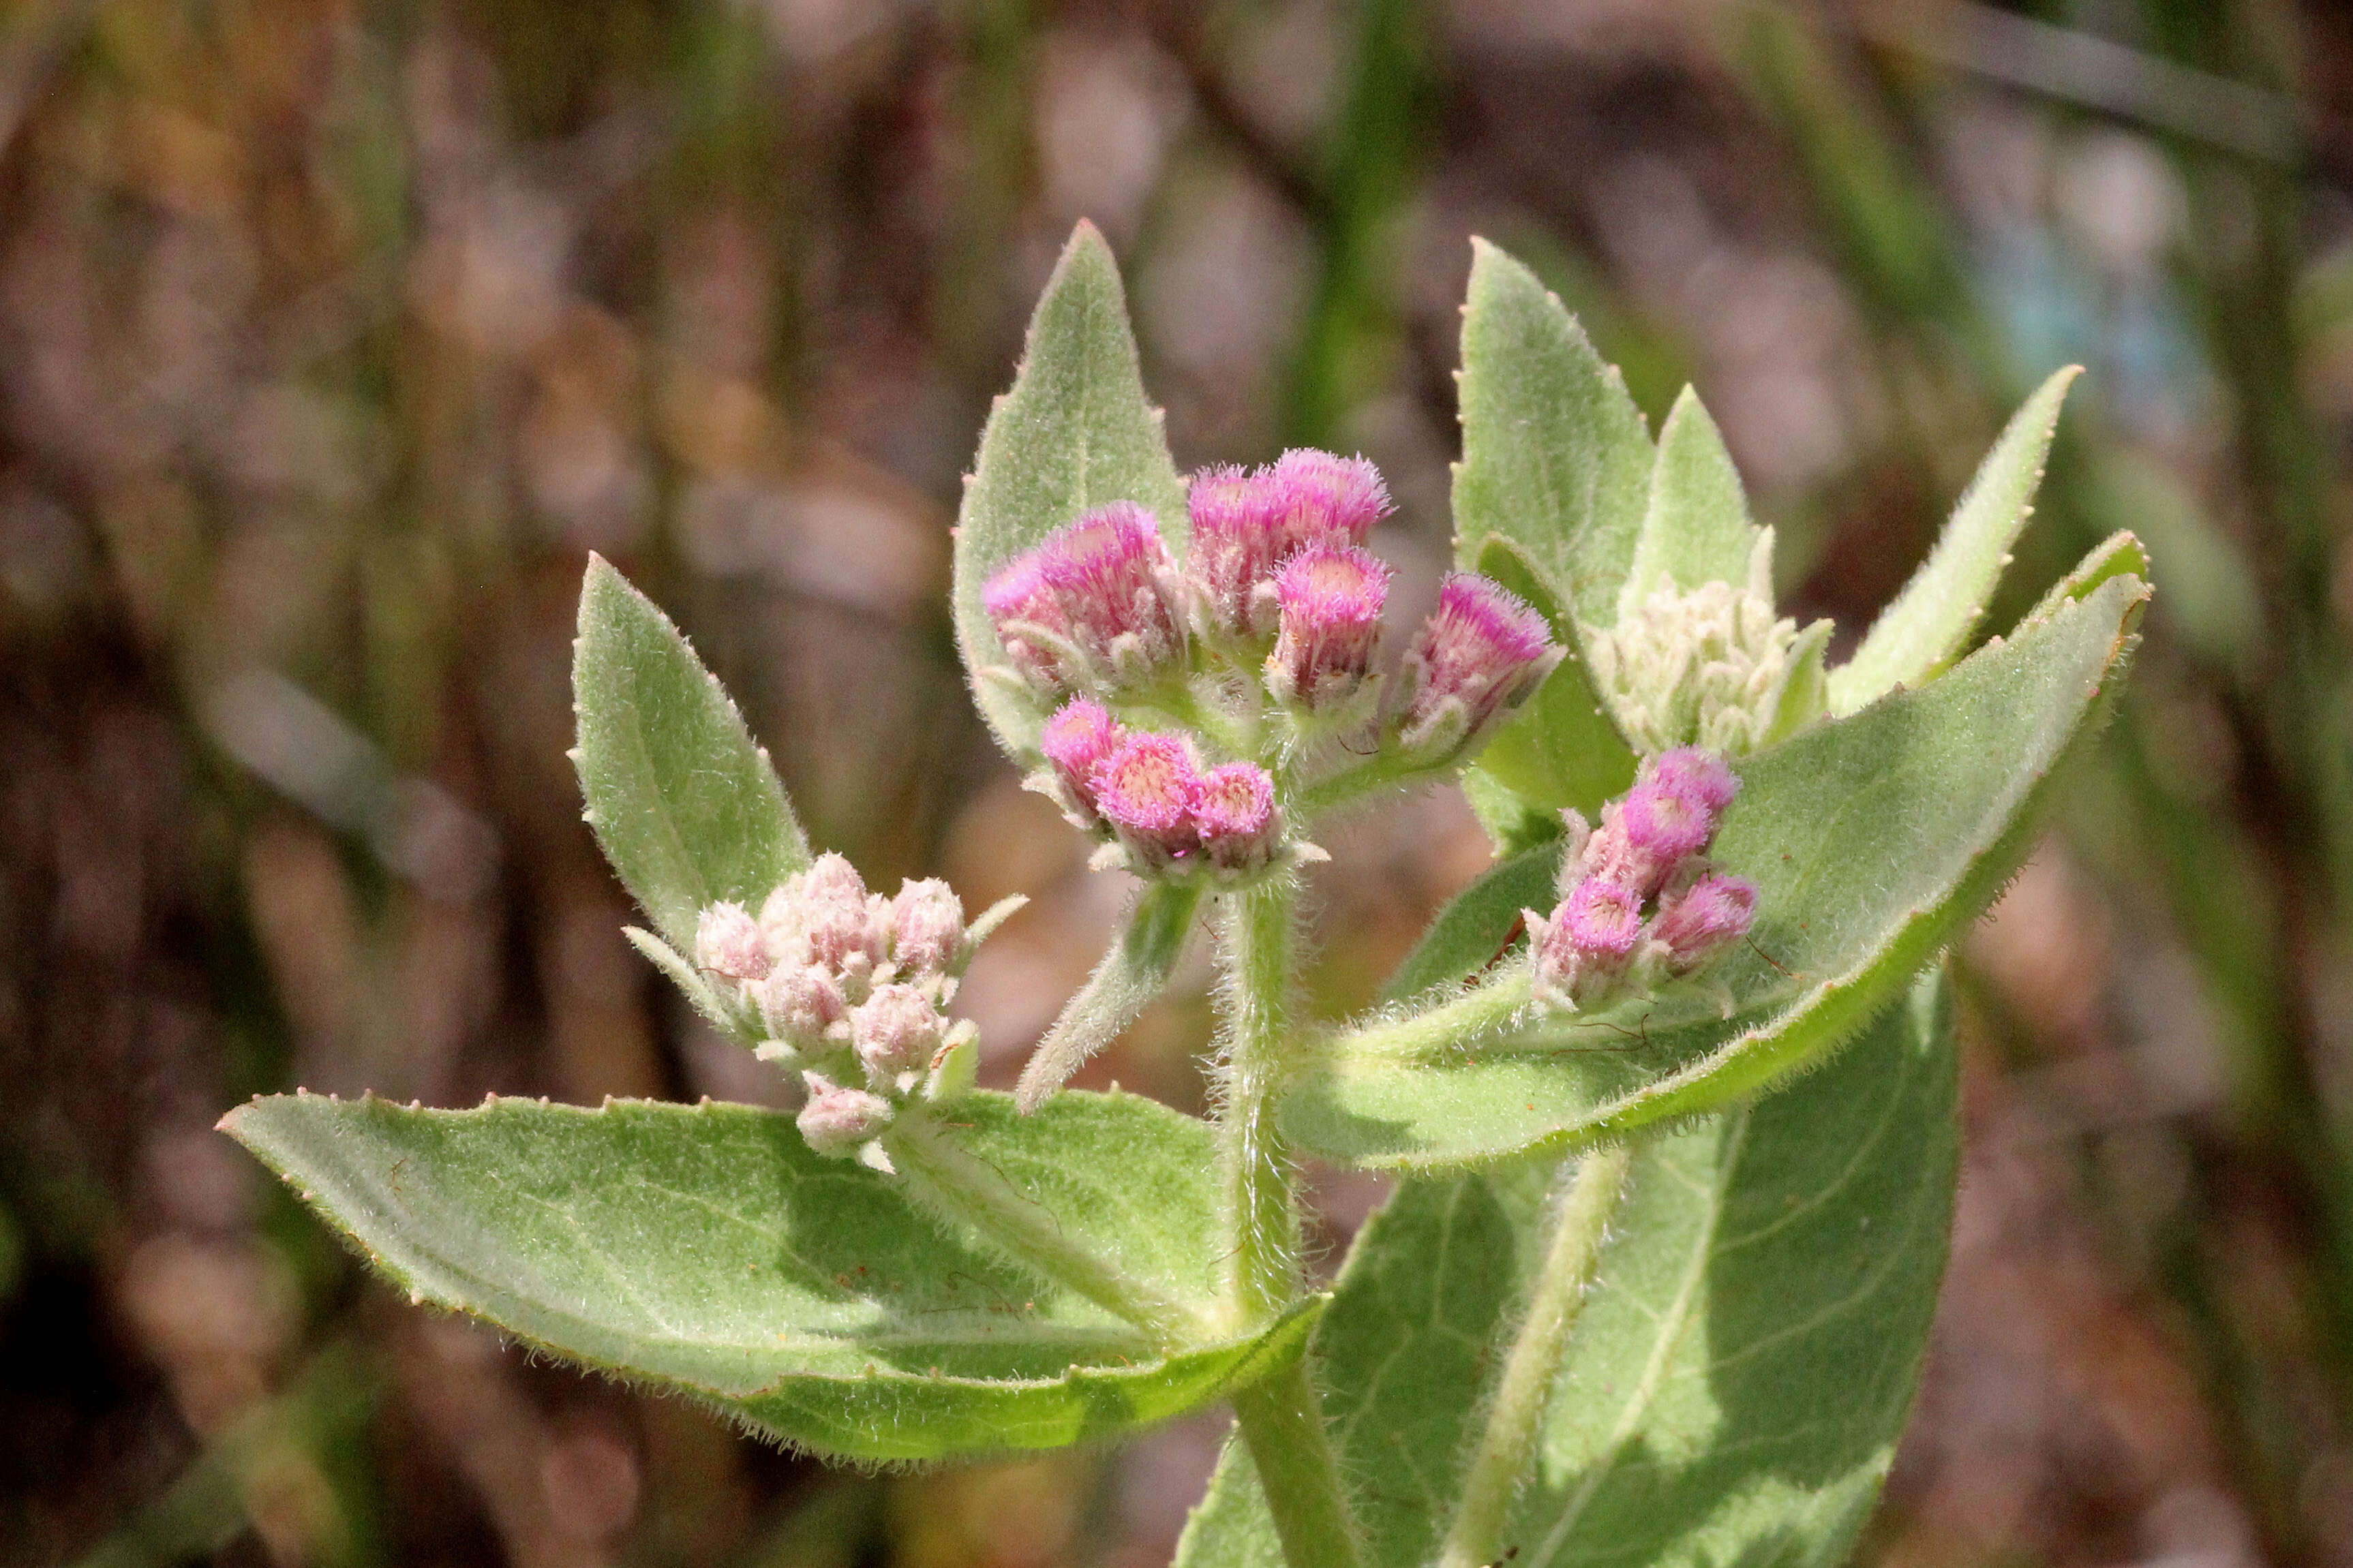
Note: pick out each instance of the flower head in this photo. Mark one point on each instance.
(895, 1030)
(1482, 651)
(1584, 944)
(1090, 603)
(1234, 815)
(728, 942)
(1145, 790)
(799, 1003)
(1699, 921)
(1247, 525)
(1076, 739)
(927, 928)
(1330, 598)
(836, 1120)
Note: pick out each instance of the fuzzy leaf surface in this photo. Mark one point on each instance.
(1555, 455)
(1872, 841)
(705, 1248)
(1073, 434)
(1478, 924)
(1930, 621)
(1736, 1383)
(1696, 530)
(685, 804)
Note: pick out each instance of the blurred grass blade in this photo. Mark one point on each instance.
(1930, 621)
(685, 804)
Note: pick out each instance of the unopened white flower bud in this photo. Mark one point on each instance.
(895, 1030)
(927, 928)
(799, 1003)
(836, 1120)
(728, 942)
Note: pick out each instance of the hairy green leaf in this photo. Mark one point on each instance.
(1562, 749)
(705, 1248)
(685, 804)
(1696, 530)
(1742, 1367)
(1931, 620)
(1133, 971)
(1554, 453)
(1872, 841)
(1478, 925)
(2118, 555)
(1073, 434)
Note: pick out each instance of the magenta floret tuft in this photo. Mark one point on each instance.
(1145, 790)
(1699, 775)
(1703, 919)
(1331, 597)
(1234, 813)
(1480, 651)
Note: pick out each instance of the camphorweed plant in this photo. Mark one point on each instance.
(1649, 1291)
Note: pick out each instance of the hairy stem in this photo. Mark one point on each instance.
(1283, 1417)
(1134, 971)
(954, 1184)
(1580, 1221)
(1255, 1168)
(1488, 1008)
(1282, 1421)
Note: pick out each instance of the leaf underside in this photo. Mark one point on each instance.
(706, 1250)
(1871, 842)
(685, 804)
(1743, 1365)
(1074, 433)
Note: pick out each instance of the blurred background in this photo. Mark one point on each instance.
(333, 334)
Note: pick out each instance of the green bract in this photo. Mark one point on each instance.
(1650, 1293)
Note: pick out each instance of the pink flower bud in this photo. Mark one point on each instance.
(728, 942)
(1703, 919)
(1235, 538)
(798, 1004)
(1109, 570)
(1246, 525)
(1664, 824)
(1233, 813)
(824, 916)
(1076, 739)
(1145, 790)
(1479, 652)
(927, 928)
(1698, 775)
(1018, 601)
(894, 1030)
(835, 1121)
(1585, 943)
(1331, 597)
(1323, 498)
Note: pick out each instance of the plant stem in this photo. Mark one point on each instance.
(955, 1184)
(1255, 1172)
(1282, 1421)
(1580, 1221)
(1486, 1009)
(1282, 1418)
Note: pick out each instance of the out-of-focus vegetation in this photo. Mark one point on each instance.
(333, 335)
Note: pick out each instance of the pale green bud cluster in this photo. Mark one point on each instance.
(1713, 668)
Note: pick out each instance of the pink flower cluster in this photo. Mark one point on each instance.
(1276, 577)
(830, 970)
(1150, 791)
(1649, 852)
